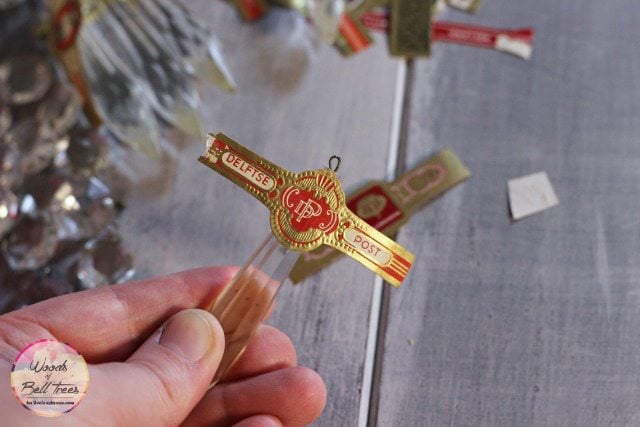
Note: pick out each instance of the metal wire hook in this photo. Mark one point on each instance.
(331, 161)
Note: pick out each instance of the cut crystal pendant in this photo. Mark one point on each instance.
(326, 16)
(5, 119)
(103, 261)
(120, 98)
(86, 153)
(8, 210)
(80, 208)
(24, 78)
(192, 40)
(88, 203)
(32, 241)
(36, 143)
(171, 93)
(10, 173)
(60, 108)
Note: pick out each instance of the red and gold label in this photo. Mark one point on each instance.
(66, 24)
(251, 10)
(67, 17)
(387, 206)
(308, 209)
(517, 42)
(376, 206)
(353, 37)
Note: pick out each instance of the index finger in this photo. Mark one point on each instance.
(110, 322)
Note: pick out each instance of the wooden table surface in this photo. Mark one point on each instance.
(499, 323)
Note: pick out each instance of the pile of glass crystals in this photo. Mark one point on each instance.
(57, 214)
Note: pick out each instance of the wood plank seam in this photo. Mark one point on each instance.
(386, 294)
(380, 298)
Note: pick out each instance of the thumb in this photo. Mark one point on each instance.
(164, 379)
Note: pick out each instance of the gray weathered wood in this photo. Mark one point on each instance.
(535, 322)
(296, 105)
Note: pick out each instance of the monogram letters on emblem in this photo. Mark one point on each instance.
(308, 211)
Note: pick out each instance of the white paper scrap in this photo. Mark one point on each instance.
(461, 4)
(514, 46)
(530, 194)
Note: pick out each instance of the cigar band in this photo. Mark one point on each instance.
(308, 209)
(251, 10)
(67, 17)
(66, 25)
(388, 206)
(353, 36)
(517, 42)
(376, 20)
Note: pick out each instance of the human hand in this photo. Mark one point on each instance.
(147, 370)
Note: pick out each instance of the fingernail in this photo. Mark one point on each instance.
(189, 334)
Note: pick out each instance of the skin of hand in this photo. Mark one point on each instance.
(152, 352)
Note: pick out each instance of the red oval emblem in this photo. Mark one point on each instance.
(308, 211)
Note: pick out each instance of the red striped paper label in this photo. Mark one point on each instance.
(376, 20)
(355, 38)
(517, 42)
(477, 36)
(251, 9)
